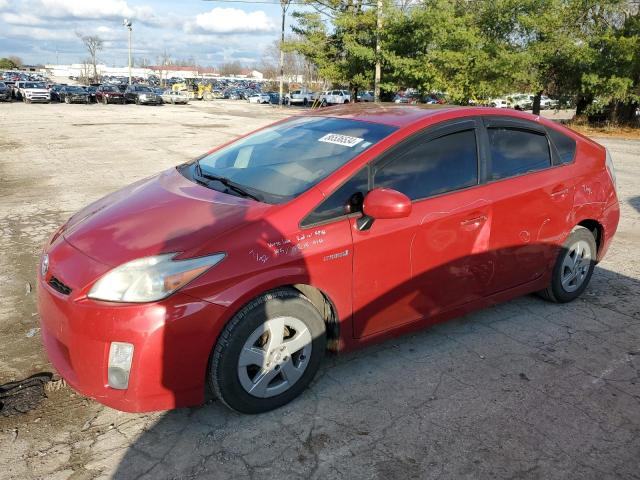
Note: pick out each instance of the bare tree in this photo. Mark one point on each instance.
(17, 61)
(230, 68)
(93, 44)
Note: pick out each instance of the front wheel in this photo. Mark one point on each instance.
(268, 353)
(573, 268)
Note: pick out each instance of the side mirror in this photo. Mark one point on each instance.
(383, 203)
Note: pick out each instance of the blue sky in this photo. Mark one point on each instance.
(211, 32)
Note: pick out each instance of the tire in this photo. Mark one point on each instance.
(305, 102)
(67, 100)
(231, 382)
(580, 243)
(137, 101)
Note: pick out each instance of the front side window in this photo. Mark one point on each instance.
(280, 162)
(429, 168)
(515, 151)
(345, 200)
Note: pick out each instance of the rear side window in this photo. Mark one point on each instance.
(515, 151)
(565, 145)
(425, 169)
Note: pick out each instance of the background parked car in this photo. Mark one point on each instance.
(259, 98)
(175, 97)
(54, 92)
(34, 92)
(109, 94)
(73, 94)
(335, 97)
(141, 94)
(299, 97)
(5, 92)
(274, 98)
(91, 91)
(365, 96)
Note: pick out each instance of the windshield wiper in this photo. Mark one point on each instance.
(230, 184)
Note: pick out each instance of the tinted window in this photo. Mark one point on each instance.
(441, 165)
(282, 161)
(566, 146)
(514, 152)
(345, 200)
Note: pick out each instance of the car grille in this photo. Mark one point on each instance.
(59, 286)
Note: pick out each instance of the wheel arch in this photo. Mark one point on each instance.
(596, 228)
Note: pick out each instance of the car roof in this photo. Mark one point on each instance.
(405, 115)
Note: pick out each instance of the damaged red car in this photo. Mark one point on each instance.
(330, 231)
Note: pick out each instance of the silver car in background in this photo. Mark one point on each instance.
(175, 97)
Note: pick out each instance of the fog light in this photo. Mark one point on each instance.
(120, 358)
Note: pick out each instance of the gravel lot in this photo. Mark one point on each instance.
(527, 389)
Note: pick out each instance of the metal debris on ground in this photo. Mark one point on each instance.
(32, 332)
(24, 395)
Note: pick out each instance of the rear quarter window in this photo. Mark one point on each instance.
(565, 145)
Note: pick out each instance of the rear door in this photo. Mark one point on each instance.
(436, 259)
(532, 197)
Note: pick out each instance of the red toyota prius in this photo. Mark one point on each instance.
(321, 232)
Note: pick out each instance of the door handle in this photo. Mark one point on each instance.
(474, 222)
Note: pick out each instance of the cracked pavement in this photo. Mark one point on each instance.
(527, 389)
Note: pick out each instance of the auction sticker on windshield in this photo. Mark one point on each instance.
(344, 140)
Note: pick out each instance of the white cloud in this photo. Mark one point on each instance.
(21, 18)
(36, 33)
(86, 9)
(230, 20)
(4, 4)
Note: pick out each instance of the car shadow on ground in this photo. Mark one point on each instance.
(635, 203)
(526, 389)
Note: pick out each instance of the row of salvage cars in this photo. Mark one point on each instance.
(40, 92)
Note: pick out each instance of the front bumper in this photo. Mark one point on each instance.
(172, 340)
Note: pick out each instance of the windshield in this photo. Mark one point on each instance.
(109, 88)
(75, 90)
(143, 89)
(33, 85)
(281, 162)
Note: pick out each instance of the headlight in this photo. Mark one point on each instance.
(150, 278)
(143, 96)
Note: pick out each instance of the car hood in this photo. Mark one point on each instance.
(162, 214)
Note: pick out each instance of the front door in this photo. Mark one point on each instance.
(437, 258)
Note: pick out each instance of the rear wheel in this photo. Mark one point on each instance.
(573, 268)
(268, 353)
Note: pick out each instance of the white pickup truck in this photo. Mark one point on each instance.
(335, 97)
(299, 97)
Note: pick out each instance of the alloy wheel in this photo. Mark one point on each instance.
(575, 266)
(274, 357)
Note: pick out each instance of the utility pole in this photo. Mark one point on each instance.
(284, 4)
(127, 23)
(376, 81)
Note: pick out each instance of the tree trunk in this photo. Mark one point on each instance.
(536, 103)
(582, 104)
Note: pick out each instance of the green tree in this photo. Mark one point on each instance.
(344, 52)
(7, 64)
